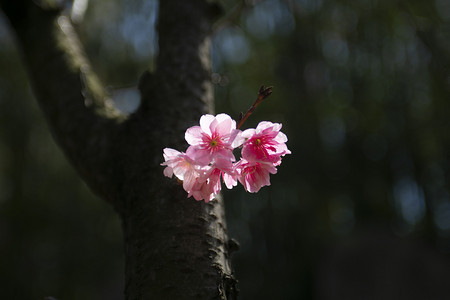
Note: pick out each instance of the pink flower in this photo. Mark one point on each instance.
(207, 186)
(266, 143)
(254, 175)
(201, 182)
(209, 158)
(212, 141)
(182, 166)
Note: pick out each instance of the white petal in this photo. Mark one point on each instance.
(170, 153)
(193, 135)
(222, 117)
(264, 125)
(229, 180)
(205, 122)
(248, 133)
(236, 138)
(281, 138)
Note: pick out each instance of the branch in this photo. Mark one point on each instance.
(263, 93)
(80, 116)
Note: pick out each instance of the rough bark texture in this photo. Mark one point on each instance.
(176, 248)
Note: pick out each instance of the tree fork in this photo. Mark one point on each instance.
(175, 248)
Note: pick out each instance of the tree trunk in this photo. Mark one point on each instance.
(176, 248)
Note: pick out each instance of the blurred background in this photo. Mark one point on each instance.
(360, 210)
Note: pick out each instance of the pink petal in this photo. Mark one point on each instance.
(229, 180)
(168, 172)
(225, 153)
(248, 133)
(224, 127)
(254, 175)
(205, 122)
(236, 138)
(200, 156)
(264, 125)
(193, 135)
(224, 124)
(222, 117)
(170, 153)
(189, 181)
(281, 138)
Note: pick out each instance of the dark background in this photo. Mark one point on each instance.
(360, 210)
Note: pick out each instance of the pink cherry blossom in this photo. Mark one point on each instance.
(207, 186)
(182, 166)
(266, 143)
(201, 182)
(209, 158)
(212, 141)
(254, 175)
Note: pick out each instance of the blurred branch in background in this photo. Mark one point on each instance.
(78, 10)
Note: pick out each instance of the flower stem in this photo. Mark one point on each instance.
(263, 93)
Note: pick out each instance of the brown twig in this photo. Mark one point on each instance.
(263, 93)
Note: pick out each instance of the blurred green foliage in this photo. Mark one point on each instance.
(362, 89)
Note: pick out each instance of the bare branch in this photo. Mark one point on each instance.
(263, 93)
(80, 115)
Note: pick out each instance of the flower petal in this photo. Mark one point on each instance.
(248, 133)
(236, 138)
(193, 135)
(281, 138)
(224, 127)
(229, 180)
(170, 153)
(205, 122)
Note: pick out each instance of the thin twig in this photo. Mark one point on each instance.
(263, 93)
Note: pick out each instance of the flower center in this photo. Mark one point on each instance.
(257, 142)
(213, 143)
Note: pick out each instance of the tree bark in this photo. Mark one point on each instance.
(175, 248)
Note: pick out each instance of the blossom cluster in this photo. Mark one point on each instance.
(210, 157)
